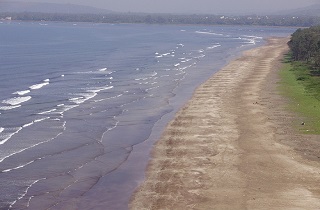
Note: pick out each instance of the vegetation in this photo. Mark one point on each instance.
(305, 46)
(304, 91)
(302, 21)
(300, 76)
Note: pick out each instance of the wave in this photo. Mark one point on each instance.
(105, 71)
(16, 100)
(41, 119)
(208, 33)
(47, 112)
(26, 191)
(4, 108)
(158, 55)
(15, 168)
(255, 37)
(90, 93)
(28, 124)
(4, 138)
(251, 39)
(16, 130)
(40, 85)
(200, 56)
(98, 89)
(113, 97)
(22, 92)
(214, 46)
(7, 133)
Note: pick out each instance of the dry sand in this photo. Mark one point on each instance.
(232, 146)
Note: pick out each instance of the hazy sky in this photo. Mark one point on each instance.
(190, 6)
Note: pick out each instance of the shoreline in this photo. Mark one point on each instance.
(227, 149)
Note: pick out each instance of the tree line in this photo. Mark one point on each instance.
(302, 21)
(305, 45)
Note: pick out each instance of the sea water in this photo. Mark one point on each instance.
(77, 99)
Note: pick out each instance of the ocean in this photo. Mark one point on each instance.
(81, 104)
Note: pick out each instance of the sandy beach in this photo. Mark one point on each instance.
(233, 146)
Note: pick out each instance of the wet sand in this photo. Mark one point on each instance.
(232, 146)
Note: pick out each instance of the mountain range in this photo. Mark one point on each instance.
(313, 10)
(17, 7)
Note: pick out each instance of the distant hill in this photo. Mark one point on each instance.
(313, 10)
(15, 6)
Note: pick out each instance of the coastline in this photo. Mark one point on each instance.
(227, 147)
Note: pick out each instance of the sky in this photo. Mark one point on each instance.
(191, 6)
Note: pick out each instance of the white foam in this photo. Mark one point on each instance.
(47, 112)
(138, 79)
(176, 65)
(77, 100)
(26, 191)
(9, 135)
(117, 96)
(40, 85)
(103, 69)
(41, 119)
(152, 88)
(84, 96)
(16, 100)
(214, 46)
(201, 56)
(208, 33)
(32, 146)
(22, 92)
(4, 108)
(98, 89)
(255, 37)
(1, 129)
(21, 166)
(68, 107)
(27, 125)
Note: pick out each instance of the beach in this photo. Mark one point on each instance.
(233, 145)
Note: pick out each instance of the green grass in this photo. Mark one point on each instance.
(303, 90)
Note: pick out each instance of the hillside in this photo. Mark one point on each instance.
(313, 10)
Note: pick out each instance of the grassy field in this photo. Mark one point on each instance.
(302, 87)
